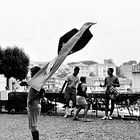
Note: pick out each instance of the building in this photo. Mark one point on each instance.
(93, 83)
(125, 84)
(54, 84)
(84, 69)
(136, 77)
(126, 71)
(100, 70)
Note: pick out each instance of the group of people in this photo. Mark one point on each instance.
(76, 91)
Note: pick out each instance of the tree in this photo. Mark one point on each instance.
(14, 63)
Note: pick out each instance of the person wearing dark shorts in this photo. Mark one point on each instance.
(70, 91)
(109, 82)
(81, 101)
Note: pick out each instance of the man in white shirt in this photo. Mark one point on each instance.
(70, 92)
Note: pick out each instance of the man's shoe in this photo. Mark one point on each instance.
(109, 117)
(104, 118)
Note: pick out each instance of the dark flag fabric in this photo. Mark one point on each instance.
(64, 39)
(81, 43)
(39, 80)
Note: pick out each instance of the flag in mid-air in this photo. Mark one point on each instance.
(81, 43)
(69, 43)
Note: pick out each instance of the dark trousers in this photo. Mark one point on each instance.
(107, 106)
(70, 94)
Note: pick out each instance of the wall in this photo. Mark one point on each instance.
(136, 81)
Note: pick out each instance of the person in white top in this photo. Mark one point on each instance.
(70, 92)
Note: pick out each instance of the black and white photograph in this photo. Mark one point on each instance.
(69, 70)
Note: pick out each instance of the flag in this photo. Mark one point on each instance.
(64, 39)
(81, 43)
(39, 79)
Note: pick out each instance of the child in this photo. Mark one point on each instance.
(34, 106)
(81, 99)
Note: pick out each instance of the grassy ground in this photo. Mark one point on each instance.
(15, 127)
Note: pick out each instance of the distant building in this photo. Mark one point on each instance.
(126, 71)
(84, 69)
(54, 84)
(125, 84)
(100, 70)
(94, 84)
(136, 77)
(63, 68)
(108, 61)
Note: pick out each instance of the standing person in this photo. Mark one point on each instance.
(110, 81)
(81, 99)
(70, 92)
(34, 106)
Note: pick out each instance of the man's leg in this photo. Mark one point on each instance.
(67, 98)
(106, 106)
(112, 106)
(77, 112)
(33, 117)
(85, 110)
(73, 98)
(106, 109)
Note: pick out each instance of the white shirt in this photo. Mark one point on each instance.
(72, 80)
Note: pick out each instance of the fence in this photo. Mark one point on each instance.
(129, 100)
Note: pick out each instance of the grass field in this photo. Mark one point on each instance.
(15, 127)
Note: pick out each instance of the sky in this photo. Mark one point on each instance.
(36, 26)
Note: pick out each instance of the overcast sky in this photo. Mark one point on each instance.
(37, 25)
